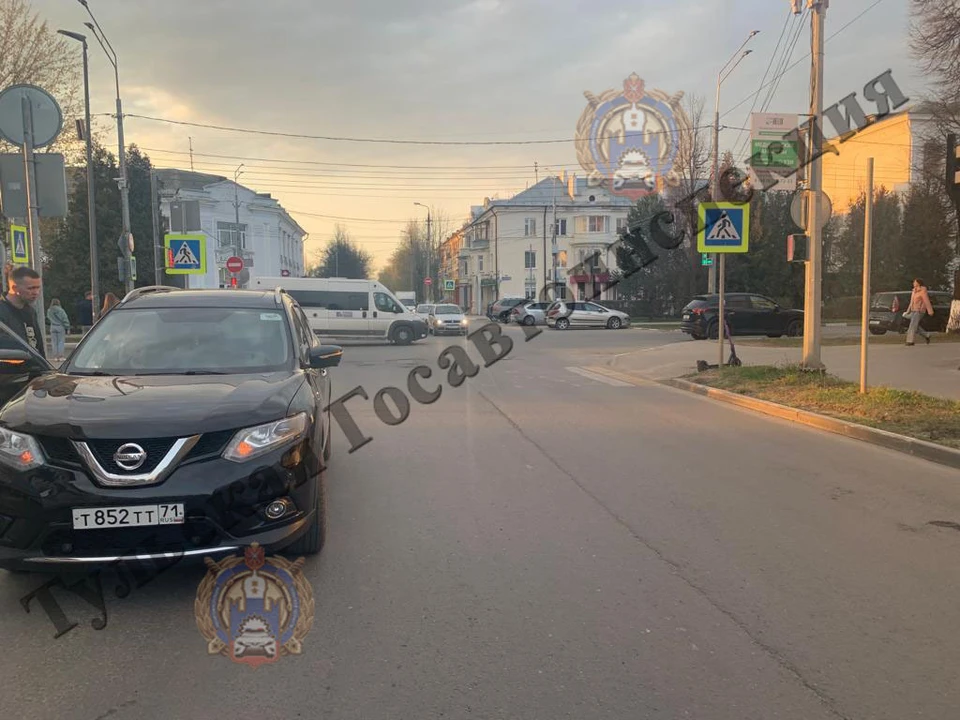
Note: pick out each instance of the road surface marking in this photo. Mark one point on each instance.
(599, 378)
(628, 379)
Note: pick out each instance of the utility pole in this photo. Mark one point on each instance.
(157, 253)
(813, 284)
(33, 212)
(126, 240)
(867, 247)
(191, 154)
(715, 173)
(430, 257)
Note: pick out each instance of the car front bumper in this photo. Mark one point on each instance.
(223, 503)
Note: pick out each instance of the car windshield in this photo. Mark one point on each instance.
(447, 310)
(154, 341)
(425, 309)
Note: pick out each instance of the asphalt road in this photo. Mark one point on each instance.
(543, 542)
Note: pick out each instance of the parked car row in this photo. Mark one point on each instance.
(746, 314)
(887, 309)
(559, 314)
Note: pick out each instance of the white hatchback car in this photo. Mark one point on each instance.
(447, 319)
(563, 315)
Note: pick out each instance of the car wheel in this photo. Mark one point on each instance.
(877, 331)
(311, 542)
(528, 320)
(713, 330)
(614, 323)
(562, 323)
(794, 329)
(403, 335)
(505, 318)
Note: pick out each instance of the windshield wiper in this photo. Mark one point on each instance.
(93, 373)
(183, 372)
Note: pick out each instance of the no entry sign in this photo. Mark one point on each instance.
(235, 264)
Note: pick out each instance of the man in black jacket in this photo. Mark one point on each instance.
(16, 308)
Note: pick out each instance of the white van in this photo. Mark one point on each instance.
(338, 307)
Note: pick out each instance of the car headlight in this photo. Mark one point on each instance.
(256, 441)
(463, 322)
(19, 451)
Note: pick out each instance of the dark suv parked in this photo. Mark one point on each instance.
(887, 309)
(747, 314)
(185, 422)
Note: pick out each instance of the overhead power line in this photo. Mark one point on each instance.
(386, 141)
(805, 57)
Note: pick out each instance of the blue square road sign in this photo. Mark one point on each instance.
(724, 228)
(186, 254)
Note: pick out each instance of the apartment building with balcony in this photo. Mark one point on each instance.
(560, 230)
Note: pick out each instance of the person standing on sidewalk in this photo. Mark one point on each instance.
(59, 326)
(16, 307)
(953, 324)
(919, 303)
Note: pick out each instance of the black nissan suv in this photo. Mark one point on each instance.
(185, 424)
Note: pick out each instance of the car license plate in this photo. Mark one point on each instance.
(119, 517)
(686, 317)
(874, 322)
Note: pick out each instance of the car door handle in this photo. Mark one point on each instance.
(374, 313)
(364, 313)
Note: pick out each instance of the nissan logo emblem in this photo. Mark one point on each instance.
(130, 456)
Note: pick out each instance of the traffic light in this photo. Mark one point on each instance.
(953, 167)
(797, 248)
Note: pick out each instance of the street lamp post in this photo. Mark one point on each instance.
(91, 189)
(429, 259)
(715, 173)
(126, 239)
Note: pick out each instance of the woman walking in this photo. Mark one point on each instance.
(59, 326)
(919, 303)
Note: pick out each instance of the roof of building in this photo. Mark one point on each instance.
(554, 189)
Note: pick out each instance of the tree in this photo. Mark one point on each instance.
(342, 258)
(407, 267)
(925, 239)
(30, 52)
(67, 245)
(935, 30)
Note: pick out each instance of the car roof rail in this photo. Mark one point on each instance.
(138, 292)
(278, 293)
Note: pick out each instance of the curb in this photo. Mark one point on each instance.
(892, 441)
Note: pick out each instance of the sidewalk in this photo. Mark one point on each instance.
(929, 369)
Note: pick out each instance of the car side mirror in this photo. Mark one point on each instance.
(325, 356)
(19, 362)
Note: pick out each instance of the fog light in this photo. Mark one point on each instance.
(276, 510)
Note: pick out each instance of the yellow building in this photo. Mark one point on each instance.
(450, 265)
(897, 147)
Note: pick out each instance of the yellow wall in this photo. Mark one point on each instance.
(889, 142)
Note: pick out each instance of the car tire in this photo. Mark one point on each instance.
(312, 541)
(713, 330)
(877, 331)
(403, 335)
(794, 328)
(528, 320)
(562, 323)
(614, 323)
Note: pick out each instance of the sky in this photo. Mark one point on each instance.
(443, 73)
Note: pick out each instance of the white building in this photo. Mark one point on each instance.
(267, 238)
(513, 240)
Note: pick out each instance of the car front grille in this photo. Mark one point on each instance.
(60, 450)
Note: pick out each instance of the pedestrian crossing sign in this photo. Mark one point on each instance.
(19, 247)
(724, 228)
(186, 254)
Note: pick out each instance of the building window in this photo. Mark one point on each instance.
(529, 227)
(560, 227)
(530, 289)
(622, 224)
(231, 235)
(480, 263)
(529, 259)
(562, 259)
(593, 224)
